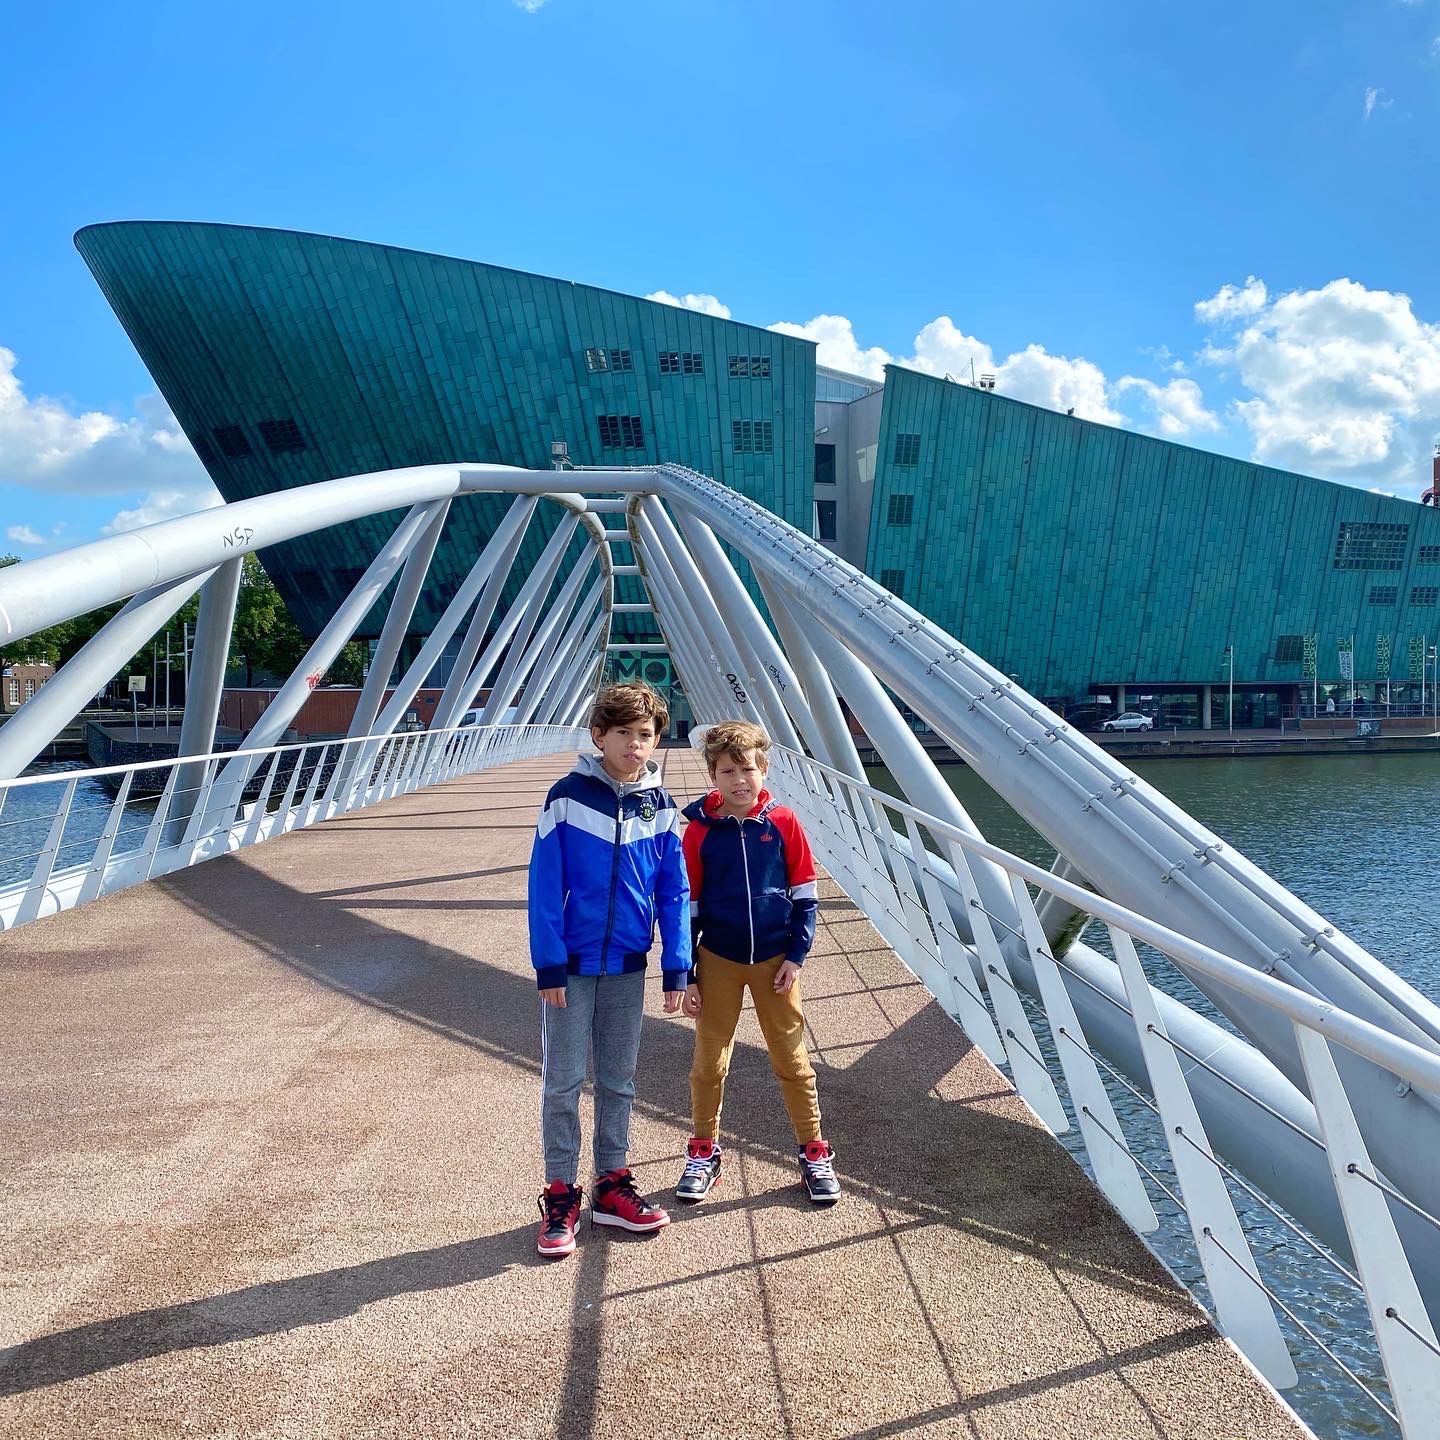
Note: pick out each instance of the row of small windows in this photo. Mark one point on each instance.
(907, 449)
(893, 580)
(674, 362)
(1428, 554)
(621, 432)
(753, 436)
(15, 691)
(281, 437)
(902, 508)
(756, 367)
(1366, 545)
(1289, 649)
(1419, 594)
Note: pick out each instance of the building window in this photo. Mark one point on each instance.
(753, 436)
(824, 464)
(893, 580)
(757, 367)
(596, 358)
(1364, 545)
(232, 442)
(29, 688)
(621, 432)
(620, 361)
(14, 692)
(1428, 555)
(282, 437)
(692, 362)
(902, 507)
(1384, 594)
(824, 519)
(907, 449)
(1289, 649)
(669, 362)
(1425, 594)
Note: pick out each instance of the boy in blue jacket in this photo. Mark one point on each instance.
(606, 864)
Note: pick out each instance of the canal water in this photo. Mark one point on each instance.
(1355, 837)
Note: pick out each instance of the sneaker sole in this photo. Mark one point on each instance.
(635, 1227)
(556, 1252)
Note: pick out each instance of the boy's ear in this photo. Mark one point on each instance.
(597, 734)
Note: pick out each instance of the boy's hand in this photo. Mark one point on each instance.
(692, 1002)
(555, 997)
(785, 976)
(673, 1000)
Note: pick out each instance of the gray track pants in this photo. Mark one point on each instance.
(602, 1016)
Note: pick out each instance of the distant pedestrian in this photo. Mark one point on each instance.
(606, 864)
(752, 888)
(1329, 704)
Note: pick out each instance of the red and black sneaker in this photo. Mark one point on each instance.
(817, 1169)
(560, 1205)
(702, 1170)
(616, 1201)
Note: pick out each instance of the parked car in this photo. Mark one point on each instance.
(1128, 720)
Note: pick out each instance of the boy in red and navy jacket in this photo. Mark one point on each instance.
(752, 908)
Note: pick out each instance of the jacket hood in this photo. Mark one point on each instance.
(591, 765)
(704, 809)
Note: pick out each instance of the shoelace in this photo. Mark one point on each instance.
(696, 1166)
(557, 1208)
(625, 1190)
(822, 1169)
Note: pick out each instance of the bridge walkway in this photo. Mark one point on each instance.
(268, 1159)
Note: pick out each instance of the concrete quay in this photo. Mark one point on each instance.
(269, 1156)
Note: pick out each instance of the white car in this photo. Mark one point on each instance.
(1128, 720)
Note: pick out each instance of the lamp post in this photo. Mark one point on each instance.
(1230, 698)
(1434, 688)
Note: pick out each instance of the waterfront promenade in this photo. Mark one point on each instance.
(268, 1157)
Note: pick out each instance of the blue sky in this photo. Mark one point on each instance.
(1209, 222)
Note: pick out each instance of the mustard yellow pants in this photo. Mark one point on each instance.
(722, 992)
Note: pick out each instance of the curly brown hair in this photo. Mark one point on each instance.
(626, 703)
(737, 739)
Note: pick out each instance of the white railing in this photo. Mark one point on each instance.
(911, 873)
(62, 845)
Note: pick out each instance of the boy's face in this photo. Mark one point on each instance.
(740, 781)
(625, 748)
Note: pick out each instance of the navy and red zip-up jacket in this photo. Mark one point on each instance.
(752, 881)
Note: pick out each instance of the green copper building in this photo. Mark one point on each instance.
(1083, 559)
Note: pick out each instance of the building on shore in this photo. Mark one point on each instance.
(1102, 568)
(20, 682)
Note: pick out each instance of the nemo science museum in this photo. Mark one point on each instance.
(1105, 570)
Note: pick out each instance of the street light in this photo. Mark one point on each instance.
(1230, 699)
(1434, 687)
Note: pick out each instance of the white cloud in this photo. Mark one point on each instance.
(836, 346)
(1343, 381)
(23, 535)
(1227, 301)
(530, 7)
(1374, 102)
(1179, 406)
(160, 505)
(46, 445)
(705, 304)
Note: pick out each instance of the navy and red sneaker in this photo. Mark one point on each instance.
(560, 1205)
(702, 1170)
(817, 1167)
(616, 1201)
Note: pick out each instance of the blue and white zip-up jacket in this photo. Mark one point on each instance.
(605, 866)
(752, 881)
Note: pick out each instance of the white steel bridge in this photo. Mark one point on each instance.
(1316, 1095)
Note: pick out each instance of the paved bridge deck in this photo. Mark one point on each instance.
(268, 1159)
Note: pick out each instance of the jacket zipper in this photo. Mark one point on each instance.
(614, 880)
(749, 897)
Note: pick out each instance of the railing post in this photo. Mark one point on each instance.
(1408, 1350)
(1242, 1309)
(45, 861)
(95, 877)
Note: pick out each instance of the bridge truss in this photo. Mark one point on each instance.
(1313, 1084)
